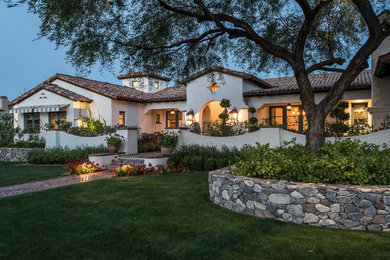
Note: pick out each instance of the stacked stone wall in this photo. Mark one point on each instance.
(335, 206)
(14, 154)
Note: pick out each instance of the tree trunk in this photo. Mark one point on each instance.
(315, 136)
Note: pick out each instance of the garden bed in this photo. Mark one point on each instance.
(327, 205)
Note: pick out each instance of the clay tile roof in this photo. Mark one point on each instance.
(261, 83)
(54, 89)
(143, 74)
(320, 83)
(176, 93)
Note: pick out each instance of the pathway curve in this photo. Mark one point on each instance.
(53, 183)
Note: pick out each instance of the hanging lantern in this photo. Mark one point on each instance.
(234, 114)
(190, 115)
(289, 107)
(213, 87)
(172, 111)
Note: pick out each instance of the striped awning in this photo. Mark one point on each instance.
(38, 109)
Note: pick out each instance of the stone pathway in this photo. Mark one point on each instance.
(54, 183)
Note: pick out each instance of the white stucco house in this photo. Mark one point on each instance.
(148, 101)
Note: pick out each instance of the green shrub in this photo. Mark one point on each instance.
(196, 163)
(58, 155)
(221, 163)
(343, 162)
(209, 164)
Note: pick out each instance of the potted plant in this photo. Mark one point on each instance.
(167, 142)
(114, 143)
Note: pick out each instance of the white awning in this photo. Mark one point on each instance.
(38, 109)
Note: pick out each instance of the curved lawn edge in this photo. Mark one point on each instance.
(326, 205)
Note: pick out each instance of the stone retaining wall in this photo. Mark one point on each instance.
(14, 154)
(335, 206)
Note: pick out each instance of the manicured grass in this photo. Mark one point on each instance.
(161, 217)
(18, 173)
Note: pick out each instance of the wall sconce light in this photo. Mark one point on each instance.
(289, 107)
(234, 114)
(213, 87)
(190, 115)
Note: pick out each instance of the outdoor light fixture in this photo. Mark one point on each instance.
(213, 87)
(289, 107)
(172, 111)
(234, 114)
(190, 115)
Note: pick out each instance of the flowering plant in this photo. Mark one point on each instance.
(81, 166)
(168, 139)
(131, 170)
(115, 140)
(148, 144)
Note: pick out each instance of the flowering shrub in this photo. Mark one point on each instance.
(81, 166)
(114, 140)
(131, 170)
(149, 145)
(167, 139)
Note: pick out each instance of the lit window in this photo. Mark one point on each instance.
(156, 84)
(135, 84)
(213, 87)
(359, 113)
(158, 119)
(57, 119)
(121, 118)
(173, 119)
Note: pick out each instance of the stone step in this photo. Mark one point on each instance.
(134, 161)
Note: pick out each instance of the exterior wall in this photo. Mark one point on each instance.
(101, 105)
(198, 94)
(14, 154)
(51, 99)
(146, 84)
(321, 205)
(381, 87)
(133, 112)
(273, 136)
(248, 86)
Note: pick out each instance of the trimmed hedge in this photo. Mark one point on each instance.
(343, 162)
(60, 155)
(199, 158)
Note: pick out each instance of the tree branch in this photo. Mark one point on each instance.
(320, 65)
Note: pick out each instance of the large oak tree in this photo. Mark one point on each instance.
(181, 37)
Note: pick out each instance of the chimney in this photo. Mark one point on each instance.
(144, 81)
(4, 103)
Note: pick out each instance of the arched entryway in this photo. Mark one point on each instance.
(210, 111)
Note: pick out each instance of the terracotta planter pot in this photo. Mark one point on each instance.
(166, 150)
(113, 149)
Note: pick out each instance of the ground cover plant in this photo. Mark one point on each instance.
(59, 155)
(162, 217)
(133, 170)
(199, 158)
(19, 173)
(342, 162)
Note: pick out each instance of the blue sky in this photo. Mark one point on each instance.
(24, 63)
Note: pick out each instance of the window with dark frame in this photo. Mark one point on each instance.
(173, 120)
(122, 120)
(56, 119)
(293, 119)
(158, 119)
(32, 120)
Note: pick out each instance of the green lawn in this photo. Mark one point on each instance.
(161, 217)
(18, 173)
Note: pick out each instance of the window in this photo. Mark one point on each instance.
(293, 119)
(156, 84)
(56, 119)
(135, 84)
(122, 118)
(173, 119)
(158, 119)
(31, 120)
(359, 113)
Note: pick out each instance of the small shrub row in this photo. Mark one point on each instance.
(58, 155)
(199, 158)
(343, 162)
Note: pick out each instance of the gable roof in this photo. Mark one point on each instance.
(54, 89)
(320, 82)
(143, 74)
(246, 76)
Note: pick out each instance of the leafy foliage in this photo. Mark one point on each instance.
(60, 155)
(343, 162)
(131, 170)
(167, 139)
(82, 166)
(340, 125)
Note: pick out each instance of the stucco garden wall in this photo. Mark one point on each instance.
(14, 154)
(62, 139)
(334, 206)
(274, 136)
